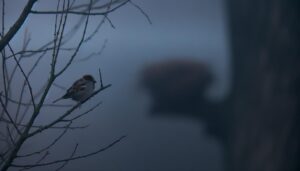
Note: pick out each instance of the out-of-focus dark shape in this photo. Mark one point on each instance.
(265, 94)
(178, 87)
(263, 108)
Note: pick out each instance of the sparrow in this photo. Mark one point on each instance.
(80, 90)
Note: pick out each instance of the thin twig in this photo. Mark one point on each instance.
(24, 83)
(42, 50)
(10, 136)
(66, 162)
(59, 86)
(53, 127)
(80, 12)
(97, 7)
(8, 115)
(67, 113)
(25, 77)
(77, 48)
(48, 146)
(3, 18)
(17, 25)
(72, 158)
(37, 162)
(100, 78)
(141, 10)
(84, 113)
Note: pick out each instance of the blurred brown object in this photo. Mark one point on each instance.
(177, 88)
(176, 85)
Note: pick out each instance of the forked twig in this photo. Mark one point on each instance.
(72, 158)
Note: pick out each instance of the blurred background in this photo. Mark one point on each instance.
(191, 91)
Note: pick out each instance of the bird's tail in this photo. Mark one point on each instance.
(57, 100)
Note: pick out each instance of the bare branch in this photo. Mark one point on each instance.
(3, 18)
(28, 53)
(8, 115)
(77, 48)
(93, 54)
(18, 130)
(68, 112)
(49, 146)
(37, 162)
(17, 25)
(53, 127)
(106, 5)
(141, 10)
(80, 12)
(84, 113)
(24, 75)
(10, 136)
(100, 78)
(72, 158)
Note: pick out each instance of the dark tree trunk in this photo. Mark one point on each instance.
(266, 85)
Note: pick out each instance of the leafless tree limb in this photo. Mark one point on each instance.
(49, 146)
(80, 12)
(66, 162)
(19, 113)
(8, 115)
(13, 30)
(53, 127)
(24, 75)
(141, 10)
(93, 54)
(72, 158)
(67, 113)
(10, 136)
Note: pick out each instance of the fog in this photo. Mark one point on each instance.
(194, 29)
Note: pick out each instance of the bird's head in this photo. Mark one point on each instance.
(89, 78)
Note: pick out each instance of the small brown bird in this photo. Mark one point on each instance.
(80, 90)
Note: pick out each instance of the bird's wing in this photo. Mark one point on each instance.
(76, 87)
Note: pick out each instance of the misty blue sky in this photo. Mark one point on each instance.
(193, 28)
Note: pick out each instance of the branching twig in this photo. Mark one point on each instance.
(41, 126)
(100, 78)
(37, 162)
(67, 113)
(25, 76)
(13, 30)
(17, 130)
(93, 54)
(49, 146)
(80, 12)
(72, 158)
(8, 115)
(84, 113)
(10, 136)
(77, 48)
(141, 10)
